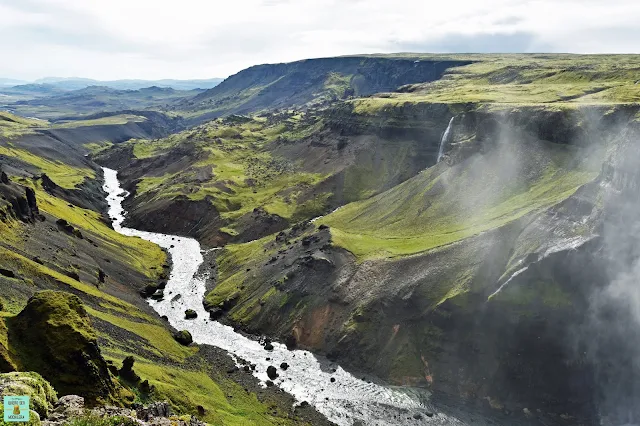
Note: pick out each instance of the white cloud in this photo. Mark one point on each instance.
(202, 38)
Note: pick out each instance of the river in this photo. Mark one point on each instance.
(346, 400)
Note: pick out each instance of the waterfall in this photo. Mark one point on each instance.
(445, 138)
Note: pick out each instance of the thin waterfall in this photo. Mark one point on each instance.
(445, 139)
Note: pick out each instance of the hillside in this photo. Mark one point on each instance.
(56, 236)
(477, 276)
(312, 81)
(462, 225)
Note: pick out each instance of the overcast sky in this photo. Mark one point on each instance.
(153, 39)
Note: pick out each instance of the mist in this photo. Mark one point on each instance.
(613, 338)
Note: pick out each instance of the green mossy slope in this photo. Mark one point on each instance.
(446, 204)
(54, 336)
(55, 244)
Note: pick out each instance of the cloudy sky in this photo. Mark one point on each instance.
(152, 39)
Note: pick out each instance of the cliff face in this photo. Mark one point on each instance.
(18, 202)
(313, 80)
(475, 277)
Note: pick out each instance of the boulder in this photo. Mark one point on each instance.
(268, 346)
(47, 184)
(126, 372)
(154, 410)
(146, 387)
(67, 407)
(149, 290)
(272, 373)
(73, 275)
(215, 313)
(158, 295)
(190, 314)
(64, 225)
(291, 342)
(183, 337)
(7, 273)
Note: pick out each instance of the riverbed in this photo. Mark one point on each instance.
(343, 398)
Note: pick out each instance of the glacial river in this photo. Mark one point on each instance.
(346, 400)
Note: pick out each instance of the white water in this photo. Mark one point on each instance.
(308, 378)
(315, 219)
(564, 244)
(445, 138)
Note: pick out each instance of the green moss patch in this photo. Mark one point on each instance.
(572, 80)
(227, 403)
(12, 125)
(443, 205)
(42, 394)
(156, 336)
(109, 120)
(62, 174)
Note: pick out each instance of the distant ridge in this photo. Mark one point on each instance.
(75, 83)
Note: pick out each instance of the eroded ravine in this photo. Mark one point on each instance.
(341, 397)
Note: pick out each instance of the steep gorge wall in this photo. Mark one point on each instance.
(451, 318)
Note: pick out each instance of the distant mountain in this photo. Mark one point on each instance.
(10, 82)
(74, 83)
(30, 91)
(50, 102)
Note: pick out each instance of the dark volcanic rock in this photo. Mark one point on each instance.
(149, 290)
(190, 314)
(215, 313)
(272, 373)
(158, 295)
(64, 225)
(21, 202)
(7, 273)
(183, 337)
(268, 346)
(127, 372)
(73, 275)
(291, 342)
(48, 185)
